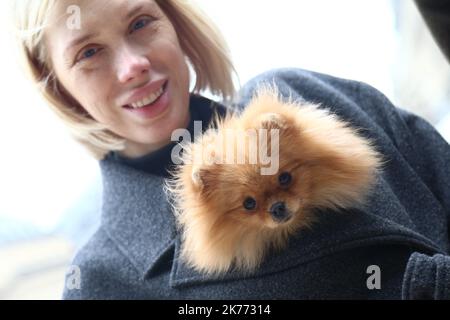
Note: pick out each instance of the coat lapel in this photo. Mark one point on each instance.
(136, 214)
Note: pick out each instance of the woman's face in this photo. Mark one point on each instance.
(123, 56)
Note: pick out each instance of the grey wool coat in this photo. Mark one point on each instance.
(398, 247)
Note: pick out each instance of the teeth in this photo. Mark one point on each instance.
(150, 99)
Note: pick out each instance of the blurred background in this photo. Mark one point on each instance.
(50, 189)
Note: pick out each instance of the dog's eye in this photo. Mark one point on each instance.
(249, 203)
(284, 179)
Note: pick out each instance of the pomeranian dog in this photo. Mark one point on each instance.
(231, 212)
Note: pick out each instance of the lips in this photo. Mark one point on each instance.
(149, 99)
(155, 109)
(146, 95)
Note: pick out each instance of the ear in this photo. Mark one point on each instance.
(203, 177)
(271, 120)
(197, 178)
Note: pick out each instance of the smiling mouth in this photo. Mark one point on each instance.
(148, 100)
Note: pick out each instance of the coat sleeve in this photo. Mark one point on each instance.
(429, 157)
(427, 277)
(423, 147)
(428, 153)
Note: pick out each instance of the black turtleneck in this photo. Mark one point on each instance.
(158, 162)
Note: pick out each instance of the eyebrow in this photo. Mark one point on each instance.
(79, 40)
(134, 11)
(86, 37)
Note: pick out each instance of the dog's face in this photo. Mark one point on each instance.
(239, 191)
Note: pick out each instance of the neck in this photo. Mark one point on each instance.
(136, 150)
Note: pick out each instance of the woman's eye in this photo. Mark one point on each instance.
(139, 24)
(86, 54)
(89, 53)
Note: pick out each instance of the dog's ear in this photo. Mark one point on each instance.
(198, 177)
(202, 178)
(271, 120)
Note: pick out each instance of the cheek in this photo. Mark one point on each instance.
(88, 85)
(93, 95)
(245, 218)
(293, 203)
(302, 183)
(169, 53)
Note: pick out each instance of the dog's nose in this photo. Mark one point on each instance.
(279, 212)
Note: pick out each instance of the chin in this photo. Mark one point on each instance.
(232, 214)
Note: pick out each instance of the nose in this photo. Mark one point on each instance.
(279, 212)
(131, 65)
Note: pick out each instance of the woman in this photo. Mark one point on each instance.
(126, 55)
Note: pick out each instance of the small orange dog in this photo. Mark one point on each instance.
(232, 212)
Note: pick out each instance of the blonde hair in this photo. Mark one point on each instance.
(199, 39)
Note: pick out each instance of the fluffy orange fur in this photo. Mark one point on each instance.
(331, 167)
